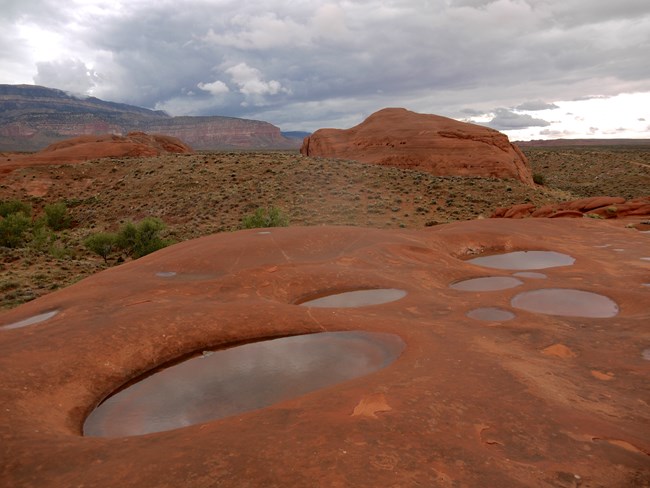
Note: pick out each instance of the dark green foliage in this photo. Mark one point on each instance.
(102, 243)
(539, 179)
(15, 206)
(135, 240)
(143, 238)
(13, 229)
(56, 216)
(263, 217)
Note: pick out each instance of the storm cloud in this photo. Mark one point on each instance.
(305, 65)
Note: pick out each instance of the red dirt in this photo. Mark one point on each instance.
(468, 403)
(431, 143)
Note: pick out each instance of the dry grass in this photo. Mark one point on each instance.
(205, 193)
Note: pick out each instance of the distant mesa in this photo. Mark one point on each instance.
(32, 117)
(431, 143)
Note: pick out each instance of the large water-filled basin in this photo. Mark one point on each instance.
(567, 302)
(231, 381)
(356, 298)
(524, 260)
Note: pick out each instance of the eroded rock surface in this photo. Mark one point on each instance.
(597, 207)
(469, 402)
(439, 145)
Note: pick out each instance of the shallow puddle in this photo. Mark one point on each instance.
(243, 378)
(487, 283)
(166, 274)
(530, 274)
(567, 302)
(524, 260)
(491, 314)
(357, 298)
(36, 319)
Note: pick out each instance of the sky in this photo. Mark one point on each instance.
(533, 69)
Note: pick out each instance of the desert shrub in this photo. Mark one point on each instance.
(539, 179)
(263, 217)
(13, 229)
(42, 238)
(56, 216)
(102, 243)
(15, 206)
(143, 238)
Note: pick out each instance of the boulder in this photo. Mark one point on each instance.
(425, 142)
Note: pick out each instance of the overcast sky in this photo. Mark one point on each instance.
(531, 68)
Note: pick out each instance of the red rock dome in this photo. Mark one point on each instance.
(438, 145)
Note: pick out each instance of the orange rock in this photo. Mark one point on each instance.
(585, 204)
(575, 214)
(559, 350)
(545, 211)
(438, 145)
(519, 211)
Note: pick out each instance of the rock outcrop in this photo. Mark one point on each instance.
(32, 117)
(536, 400)
(84, 148)
(596, 207)
(438, 145)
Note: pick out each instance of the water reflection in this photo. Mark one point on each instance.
(357, 298)
(240, 379)
(524, 260)
(487, 283)
(567, 302)
(31, 320)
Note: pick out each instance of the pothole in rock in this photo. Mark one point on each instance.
(166, 274)
(36, 319)
(356, 298)
(487, 283)
(530, 274)
(524, 260)
(567, 302)
(491, 314)
(240, 379)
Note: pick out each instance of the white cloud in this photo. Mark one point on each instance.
(217, 87)
(70, 75)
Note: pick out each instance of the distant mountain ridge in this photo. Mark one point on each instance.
(32, 117)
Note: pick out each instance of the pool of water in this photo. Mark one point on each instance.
(36, 319)
(166, 274)
(357, 298)
(524, 260)
(566, 302)
(487, 283)
(240, 379)
(491, 314)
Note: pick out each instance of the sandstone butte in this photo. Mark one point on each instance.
(438, 145)
(539, 400)
(84, 148)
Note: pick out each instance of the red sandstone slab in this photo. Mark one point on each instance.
(468, 403)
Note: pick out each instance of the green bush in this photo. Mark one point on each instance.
(14, 206)
(42, 238)
(13, 229)
(143, 238)
(102, 243)
(263, 217)
(56, 216)
(539, 179)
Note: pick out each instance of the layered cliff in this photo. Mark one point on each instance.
(32, 117)
(439, 145)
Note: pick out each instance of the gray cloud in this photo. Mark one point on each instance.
(304, 65)
(507, 119)
(535, 105)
